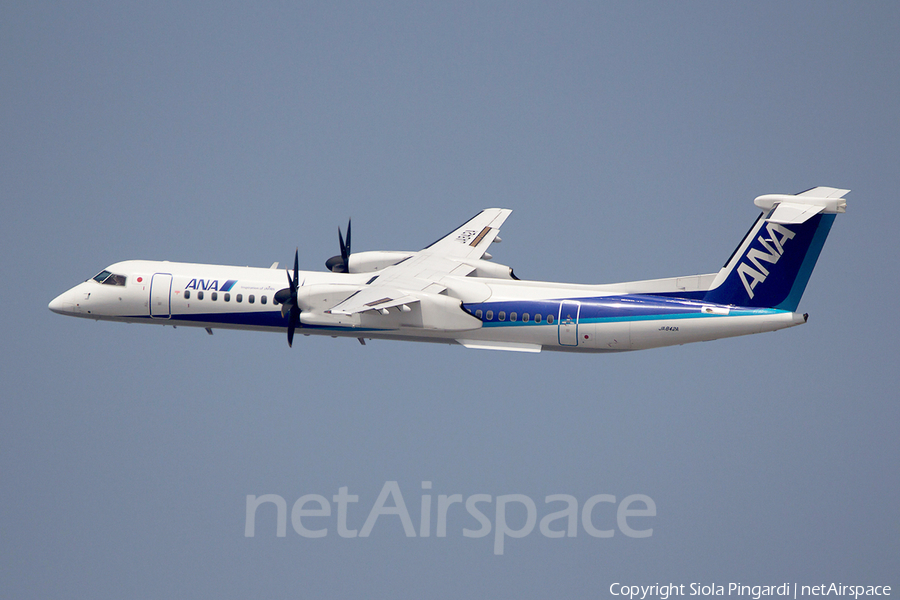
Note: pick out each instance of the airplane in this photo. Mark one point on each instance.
(452, 292)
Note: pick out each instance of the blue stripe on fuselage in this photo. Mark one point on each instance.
(602, 309)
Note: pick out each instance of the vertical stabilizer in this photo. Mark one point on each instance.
(773, 263)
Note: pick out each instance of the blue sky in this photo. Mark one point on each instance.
(628, 138)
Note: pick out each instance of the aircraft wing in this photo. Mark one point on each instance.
(472, 238)
(420, 275)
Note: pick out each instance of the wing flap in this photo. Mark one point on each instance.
(376, 297)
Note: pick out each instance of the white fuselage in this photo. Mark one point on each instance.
(476, 312)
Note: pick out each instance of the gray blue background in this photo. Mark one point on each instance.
(629, 139)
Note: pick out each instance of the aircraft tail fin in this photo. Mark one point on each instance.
(772, 265)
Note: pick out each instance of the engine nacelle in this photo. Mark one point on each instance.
(322, 296)
(375, 260)
(491, 270)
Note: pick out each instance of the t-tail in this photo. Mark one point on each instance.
(772, 265)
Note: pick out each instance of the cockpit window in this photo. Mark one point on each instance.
(107, 278)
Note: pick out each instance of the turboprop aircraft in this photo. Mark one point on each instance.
(451, 292)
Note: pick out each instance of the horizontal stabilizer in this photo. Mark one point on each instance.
(799, 208)
(823, 192)
(791, 212)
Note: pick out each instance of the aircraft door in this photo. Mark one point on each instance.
(568, 322)
(160, 296)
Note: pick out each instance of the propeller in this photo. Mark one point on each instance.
(341, 263)
(287, 297)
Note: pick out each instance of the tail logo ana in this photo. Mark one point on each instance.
(774, 249)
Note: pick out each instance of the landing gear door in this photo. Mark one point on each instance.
(160, 296)
(568, 322)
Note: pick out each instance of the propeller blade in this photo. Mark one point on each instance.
(296, 275)
(341, 263)
(345, 250)
(287, 297)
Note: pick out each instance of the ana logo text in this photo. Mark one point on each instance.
(774, 249)
(210, 284)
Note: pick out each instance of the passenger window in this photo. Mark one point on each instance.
(263, 300)
(239, 297)
(490, 315)
(250, 299)
(214, 296)
(513, 316)
(199, 295)
(550, 319)
(525, 318)
(227, 297)
(502, 315)
(187, 294)
(537, 318)
(478, 313)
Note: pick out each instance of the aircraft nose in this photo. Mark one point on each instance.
(62, 304)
